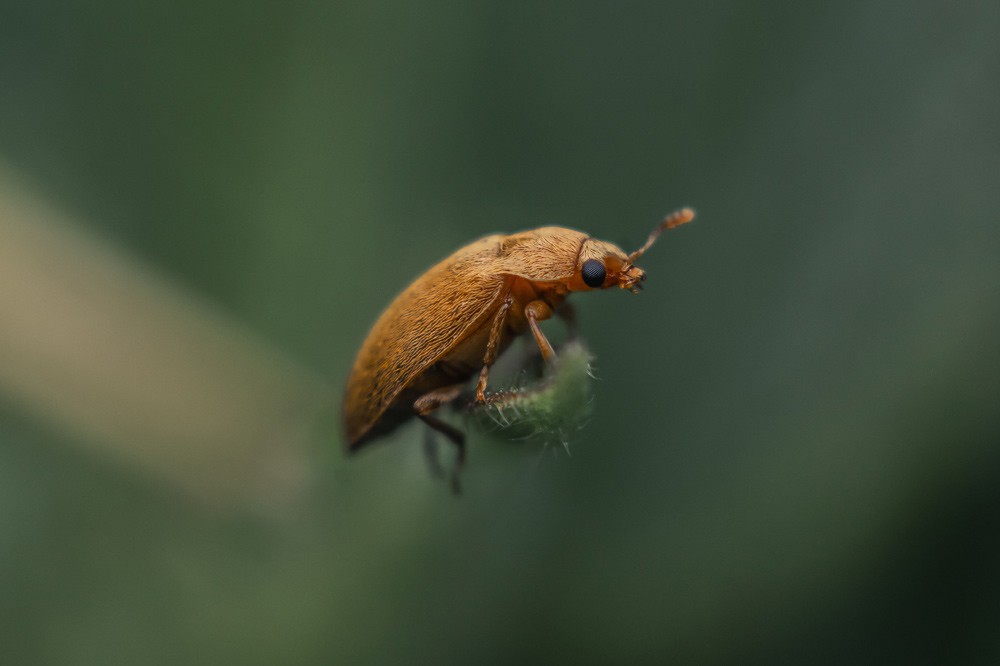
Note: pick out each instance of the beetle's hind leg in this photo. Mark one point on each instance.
(457, 437)
(423, 407)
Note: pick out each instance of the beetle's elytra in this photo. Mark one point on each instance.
(455, 319)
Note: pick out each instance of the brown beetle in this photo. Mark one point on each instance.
(456, 318)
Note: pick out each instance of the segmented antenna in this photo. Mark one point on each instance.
(675, 219)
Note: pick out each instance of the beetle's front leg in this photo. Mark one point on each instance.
(567, 313)
(496, 330)
(537, 311)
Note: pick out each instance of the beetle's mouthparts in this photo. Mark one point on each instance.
(631, 278)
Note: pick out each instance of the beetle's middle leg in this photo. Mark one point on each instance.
(496, 330)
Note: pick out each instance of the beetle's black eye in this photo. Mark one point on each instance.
(593, 273)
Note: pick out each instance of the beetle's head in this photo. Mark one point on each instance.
(602, 264)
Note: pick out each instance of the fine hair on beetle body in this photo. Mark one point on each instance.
(453, 322)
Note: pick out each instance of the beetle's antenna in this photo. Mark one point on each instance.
(675, 219)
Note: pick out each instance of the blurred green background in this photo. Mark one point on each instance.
(794, 451)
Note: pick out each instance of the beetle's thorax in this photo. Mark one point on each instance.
(524, 291)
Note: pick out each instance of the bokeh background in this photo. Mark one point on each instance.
(794, 455)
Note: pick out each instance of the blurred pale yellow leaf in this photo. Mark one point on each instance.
(98, 346)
